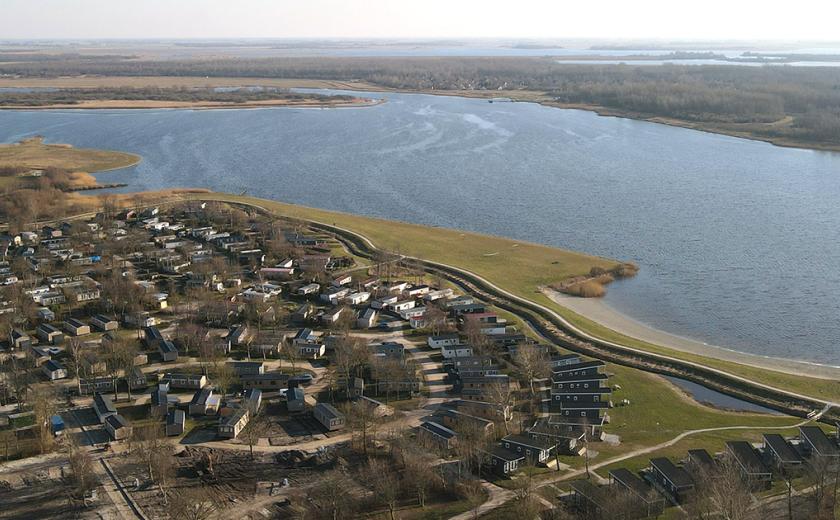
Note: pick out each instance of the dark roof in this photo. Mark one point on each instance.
(580, 405)
(235, 417)
(116, 421)
(52, 366)
(295, 394)
(782, 450)
(104, 403)
(73, 322)
(675, 474)
(556, 418)
(47, 328)
(544, 429)
(329, 411)
(701, 458)
(633, 483)
(579, 366)
(580, 390)
(202, 395)
(176, 417)
(818, 441)
(159, 397)
(595, 494)
(540, 443)
(166, 346)
(498, 452)
(458, 415)
(568, 378)
(746, 457)
(438, 430)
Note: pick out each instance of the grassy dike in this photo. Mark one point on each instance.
(518, 267)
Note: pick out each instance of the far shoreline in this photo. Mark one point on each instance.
(109, 104)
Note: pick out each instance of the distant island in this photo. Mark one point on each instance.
(174, 97)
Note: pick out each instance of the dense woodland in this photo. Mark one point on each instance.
(40, 97)
(803, 102)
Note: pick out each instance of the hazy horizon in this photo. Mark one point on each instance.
(714, 20)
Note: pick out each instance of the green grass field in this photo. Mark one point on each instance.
(521, 268)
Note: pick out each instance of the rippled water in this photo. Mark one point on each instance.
(739, 241)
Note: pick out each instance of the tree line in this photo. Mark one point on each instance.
(806, 100)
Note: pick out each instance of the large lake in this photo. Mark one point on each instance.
(739, 241)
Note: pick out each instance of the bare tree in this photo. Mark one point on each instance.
(532, 361)
(224, 376)
(330, 498)
(82, 475)
(420, 475)
(472, 491)
(43, 403)
(499, 393)
(127, 361)
(257, 427)
(363, 421)
(435, 319)
(193, 503)
(76, 352)
(385, 483)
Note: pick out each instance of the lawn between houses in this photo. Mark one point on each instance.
(521, 268)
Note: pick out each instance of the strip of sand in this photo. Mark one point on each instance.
(600, 312)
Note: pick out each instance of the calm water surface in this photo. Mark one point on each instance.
(739, 241)
(718, 400)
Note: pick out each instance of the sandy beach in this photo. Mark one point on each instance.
(599, 311)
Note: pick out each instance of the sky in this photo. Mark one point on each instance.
(616, 19)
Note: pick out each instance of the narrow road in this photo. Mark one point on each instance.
(496, 497)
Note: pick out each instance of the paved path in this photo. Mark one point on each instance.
(496, 496)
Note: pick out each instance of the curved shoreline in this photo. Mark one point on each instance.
(600, 312)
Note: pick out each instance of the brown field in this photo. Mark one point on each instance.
(34, 154)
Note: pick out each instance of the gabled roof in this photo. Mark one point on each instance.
(634, 484)
(746, 457)
(235, 417)
(675, 474)
(701, 458)
(116, 421)
(52, 366)
(176, 417)
(540, 443)
(819, 442)
(202, 395)
(329, 411)
(103, 403)
(595, 363)
(497, 452)
(438, 430)
(595, 494)
(781, 449)
(159, 397)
